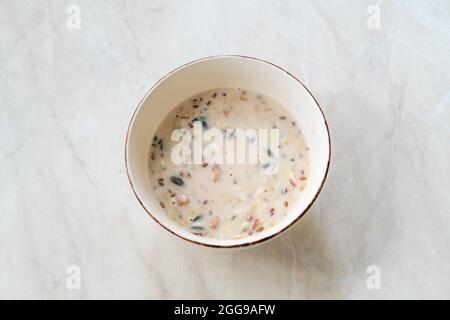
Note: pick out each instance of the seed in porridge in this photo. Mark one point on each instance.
(177, 180)
(286, 204)
(208, 103)
(266, 165)
(214, 95)
(216, 172)
(214, 222)
(162, 204)
(256, 224)
(182, 200)
(243, 98)
(224, 94)
(272, 211)
(303, 178)
(195, 106)
(197, 218)
(231, 133)
(292, 182)
(204, 164)
(203, 120)
(197, 228)
(282, 118)
(205, 202)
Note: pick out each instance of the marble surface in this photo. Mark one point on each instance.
(380, 69)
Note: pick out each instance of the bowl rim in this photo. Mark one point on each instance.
(249, 243)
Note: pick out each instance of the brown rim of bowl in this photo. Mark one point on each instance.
(247, 244)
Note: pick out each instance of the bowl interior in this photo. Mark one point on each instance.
(226, 71)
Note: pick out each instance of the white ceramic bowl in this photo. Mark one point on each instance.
(226, 71)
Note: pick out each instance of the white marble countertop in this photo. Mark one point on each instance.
(380, 69)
